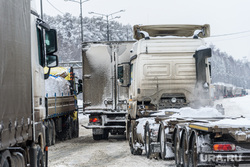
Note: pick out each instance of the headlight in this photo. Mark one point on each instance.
(173, 100)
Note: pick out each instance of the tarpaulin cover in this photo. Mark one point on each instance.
(59, 71)
(15, 71)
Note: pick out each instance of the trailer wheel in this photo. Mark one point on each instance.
(162, 142)
(75, 129)
(134, 151)
(97, 137)
(48, 132)
(68, 128)
(184, 156)
(147, 141)
(193, 156)
(177, 149)
(53, 127)
(6, 163)
(105, 135)
(4, 159)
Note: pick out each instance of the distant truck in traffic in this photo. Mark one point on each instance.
(27, 46)
(104, 99)
(62, 117)
(170, 112)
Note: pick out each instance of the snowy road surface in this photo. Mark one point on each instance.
(85, 152)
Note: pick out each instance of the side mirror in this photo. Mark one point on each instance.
(51, 41)
(124, 74)
(200, 57)
(79, 86)
(52, 61)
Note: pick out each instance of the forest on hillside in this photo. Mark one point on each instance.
(224, 67)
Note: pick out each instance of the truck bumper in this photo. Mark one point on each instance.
(103, 127)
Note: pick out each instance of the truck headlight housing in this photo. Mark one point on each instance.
(173, 100)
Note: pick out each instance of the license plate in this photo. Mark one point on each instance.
(97, 131)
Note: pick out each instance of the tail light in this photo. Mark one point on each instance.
(224, 147)
(94, 120)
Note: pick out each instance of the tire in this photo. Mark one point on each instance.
(147, 141)
(105, 135)
(97, 137)
(6, 163)
(193, 156)
(48, 135)
(162, 140)
(133, 151)
(40, 159)
(69, 128)
(75, 129)
(5, 155)
(53, 141)
(177, 149)
(184, 147)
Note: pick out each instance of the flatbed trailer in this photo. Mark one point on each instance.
(197, 141)
(62, 114)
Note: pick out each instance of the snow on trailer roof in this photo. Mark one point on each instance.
(188, 112)
(222, 125)
(172, 30)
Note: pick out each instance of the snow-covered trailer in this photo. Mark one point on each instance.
(104, 99)
(228, 91)
(204, 139)
(237, 91)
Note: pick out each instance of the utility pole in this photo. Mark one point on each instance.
(107, 18)
(80, 2)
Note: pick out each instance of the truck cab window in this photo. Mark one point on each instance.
(131, 74)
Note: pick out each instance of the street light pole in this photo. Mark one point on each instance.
(107, 28)
(81, 2)
(81, 20)
(107, 19)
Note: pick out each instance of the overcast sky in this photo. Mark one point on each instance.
(224, 16)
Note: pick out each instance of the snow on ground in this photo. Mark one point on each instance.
(236, 107)
(86, 152)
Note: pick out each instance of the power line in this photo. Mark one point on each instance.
(230, 34)
(228, 38)
(55, 7)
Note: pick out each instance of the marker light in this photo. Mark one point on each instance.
(94, 120)
(224, 147)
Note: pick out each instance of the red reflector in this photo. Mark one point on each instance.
(224, 147)
(94, 120)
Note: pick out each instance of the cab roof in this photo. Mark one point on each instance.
(182, 30)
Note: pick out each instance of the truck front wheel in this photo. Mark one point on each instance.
(147, 141)
(133, 150)
(40, 159)
(97, 137)
(162, 142)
